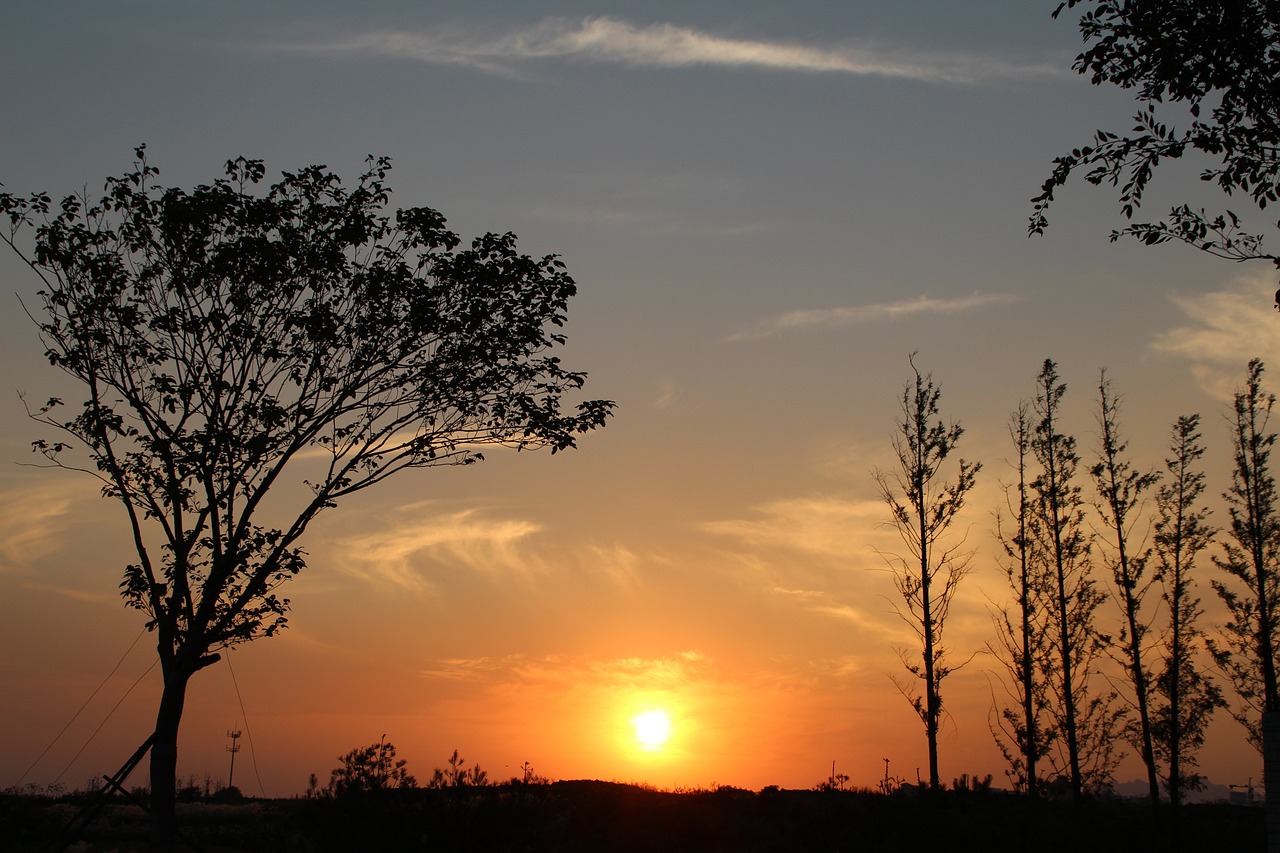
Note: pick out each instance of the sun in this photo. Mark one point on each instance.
(653, 729)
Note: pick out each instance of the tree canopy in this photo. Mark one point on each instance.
(239, 340)
(1219, 59)
(225, 336)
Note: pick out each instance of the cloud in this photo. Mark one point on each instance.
(1225, 329)
(667, 394)
(616, 562)
(398, 549)
(417, 542)
(821, 602)
(663, 45)
(465, 669)
(842, 317)
(829, 527)
(633, 673)
(33, 524)
(74, 594)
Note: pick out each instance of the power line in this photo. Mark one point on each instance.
(108, 717)
(252, 752)
(76, 715)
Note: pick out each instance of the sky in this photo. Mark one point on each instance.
(768, 207)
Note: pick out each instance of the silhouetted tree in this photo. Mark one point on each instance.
(1246, 652)
(1185, 698)
(1121, 489)
(369, 769)
(458, 776)
(1022, 644)
(923, 508)
(233, 339)
(1219, 59)
(1088, 722)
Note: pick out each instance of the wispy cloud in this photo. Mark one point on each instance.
(400, 550)
(1224, 330)
(853, 315)
(616, 673)
(33, 523)
(663, 45)
(666, 396)
(616, 562)
(822, 602)
(417, 546)
(820, 526)
(74, 593)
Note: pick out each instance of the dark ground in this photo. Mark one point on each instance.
(604, 816)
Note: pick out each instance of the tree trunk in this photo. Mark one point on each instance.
(1032, 742)
(164, 759)
(1068, 690)
(1142, 690)
(932, 701)
(1271, 777)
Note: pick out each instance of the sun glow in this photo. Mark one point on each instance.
(653, 729)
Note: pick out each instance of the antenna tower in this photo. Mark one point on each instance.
(234, 734)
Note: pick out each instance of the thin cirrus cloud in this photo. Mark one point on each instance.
(633, 673)
(410, 548)
(403, 552)
(1223, 330)
(662, 45)
(33, 524)
(816, 526)
(822, 602)
(852, 315)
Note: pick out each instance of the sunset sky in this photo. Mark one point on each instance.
(767, 207)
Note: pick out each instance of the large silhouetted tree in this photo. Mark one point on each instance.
(239, 340)
(1216, 62)
(1121, 491)
(1185, 697)
(923, 507)
(1022, 643)
(1088, 721)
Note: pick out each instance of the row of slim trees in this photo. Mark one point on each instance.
(1076, 554)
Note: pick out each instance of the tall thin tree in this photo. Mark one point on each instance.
(1185, 697)
(923, 507)
(1021, 644)
(1246, 652)
(1088, 722)
(1121, 490)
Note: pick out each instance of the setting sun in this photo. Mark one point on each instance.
(653, 728)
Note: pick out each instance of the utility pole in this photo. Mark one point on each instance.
(234, 734)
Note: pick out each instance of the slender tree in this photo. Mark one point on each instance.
(232, 339)
(923, 507)
(1088, 722)
(1185, 697)
(1121, 490)
(1022, 642)
(1246, 651)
